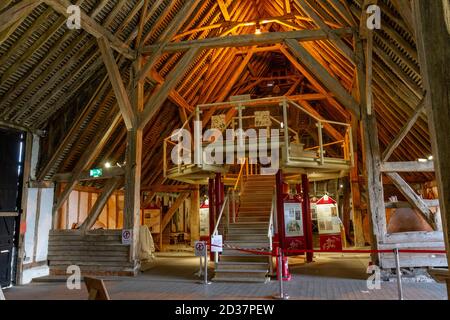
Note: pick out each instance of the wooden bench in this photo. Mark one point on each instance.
(96, 289)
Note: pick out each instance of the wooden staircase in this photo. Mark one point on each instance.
(249, 231)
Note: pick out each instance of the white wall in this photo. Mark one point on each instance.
(38, 222)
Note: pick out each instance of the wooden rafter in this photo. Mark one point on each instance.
(224, 9)
(322, 74)
(19, 10)
(91, 26)
(110, 186)
(415, 200)
(404, 131)
(247, 40)
(346, 51)
(123, 100)
(155, 102)
(166, 36)
(169, 215)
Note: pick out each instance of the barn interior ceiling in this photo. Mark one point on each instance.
(54, 81)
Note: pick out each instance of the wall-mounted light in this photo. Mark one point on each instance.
(430, 158)
(107, 165)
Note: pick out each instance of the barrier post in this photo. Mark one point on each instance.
(200, 270)
(399, 274)
(282, 295)
(206, 265)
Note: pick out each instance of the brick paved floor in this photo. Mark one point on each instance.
(331, 277)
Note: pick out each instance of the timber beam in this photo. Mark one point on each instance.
(412, 197)
(116, 80)
(322, 74)
(100, 203)
(85, 175)
(13, 14)
(169, 215)
(169, 189)
(91, 26)
(407, 166)
(248, 40)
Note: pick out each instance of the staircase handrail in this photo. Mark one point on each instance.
(272, 214)
(241, 173)
(222, 209)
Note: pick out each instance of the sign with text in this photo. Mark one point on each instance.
(216, 243)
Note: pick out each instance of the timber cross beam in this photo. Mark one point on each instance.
(91, 26)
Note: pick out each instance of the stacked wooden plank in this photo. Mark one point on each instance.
(98, 252)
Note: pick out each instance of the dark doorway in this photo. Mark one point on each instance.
(12, 149)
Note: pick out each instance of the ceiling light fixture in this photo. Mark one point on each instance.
(258, 29)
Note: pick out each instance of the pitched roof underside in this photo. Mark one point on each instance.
(54, 79)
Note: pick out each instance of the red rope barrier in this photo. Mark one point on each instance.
(269, 253)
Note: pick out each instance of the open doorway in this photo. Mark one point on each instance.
(12, 148)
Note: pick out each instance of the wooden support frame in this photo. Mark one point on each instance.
(85, 175)
(86, 159)
(116, 80)
(407, 166)
(345, 50)
(248, 40)
(412, 197)
(158, 98)
(19, 10)
(165, 37)
(322, 74)
(110, 186)
(133, 171)
(432, 21)
(169, 215)
(91, 26)
(372, 158)
(224, 9)
(404, 131)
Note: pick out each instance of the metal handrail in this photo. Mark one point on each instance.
(240, 174)
(272, 214)
(216, 229)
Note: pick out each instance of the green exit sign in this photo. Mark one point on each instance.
(96, 173)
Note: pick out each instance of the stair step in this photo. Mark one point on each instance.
(239, 231)
(253, 219)
(240, 237)
(241, 224)
(221, 278)
(262, 271)
(244, 245)
(255, 265)
(242, 258)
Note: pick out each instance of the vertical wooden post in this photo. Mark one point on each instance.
(133, 167)
(372, 156)
(133, 186)
(433, 43)
(194, 215)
